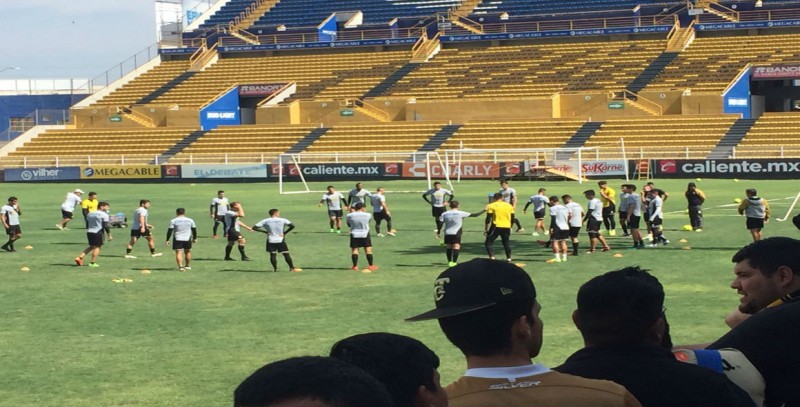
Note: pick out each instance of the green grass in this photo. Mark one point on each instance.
(69, 336)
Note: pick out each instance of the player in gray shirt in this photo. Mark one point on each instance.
(510, 196)
(633, 216)
(9, 215)
(358, 221)
(276, 229)
(540, 202)
(453, 220)
(97, 223)
(357, 195)
(185, 232)
(438, 201)
(140, 228)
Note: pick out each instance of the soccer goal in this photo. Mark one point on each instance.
(294, 170)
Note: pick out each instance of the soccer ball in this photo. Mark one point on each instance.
(737, 200)
(687, 228)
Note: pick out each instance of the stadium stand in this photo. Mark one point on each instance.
(250, 143)
(677, 136)
(513, 135)
(527, 7)
(226, 14)
(774, 135)
(708, 65)
(300, 13)
(96, 146)
(317, 75)
(380, 137)
(146, 84)
(519, 71)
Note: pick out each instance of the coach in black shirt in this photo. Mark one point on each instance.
(621, 317)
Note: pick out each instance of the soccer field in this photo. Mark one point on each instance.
(71, 336)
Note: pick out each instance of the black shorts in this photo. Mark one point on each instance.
(66, 215)
(574, 230)
(277, 247)
(559, 234)
(593, 226)
(609, 210)
(137, 233)
(185, 245)
(234, 235)
(634, 222)
(356, 242)
(437, 211)
(755, 223)
(656, 222)
(13, 230)
(219, 218)
(538, 214)
(95, 239)
(335, 213)
(379, 216)
(453, 239)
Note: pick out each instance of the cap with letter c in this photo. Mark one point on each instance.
(475, 285)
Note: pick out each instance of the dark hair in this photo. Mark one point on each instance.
(542, 190)
(332, 381)
(619, 307)
(602, 182)
(220, 192)
(589, 192)
(329, 187)
(92, 193)
(12, 198)
(769, 254)
(102, 204)
(497, 196)
(437, 183)
(553, 198)
(400, 363)
(751, 191)
(180, 211)
(143, 201)
(454, 204)
(565, 197)
(486, 332)
(272, 211)
(630, 186)
(503, 181)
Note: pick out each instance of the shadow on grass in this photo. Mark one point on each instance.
(244, 271)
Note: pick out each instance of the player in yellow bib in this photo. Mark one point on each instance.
(498, 224)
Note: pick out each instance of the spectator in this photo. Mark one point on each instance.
(310, 381)
(621, 318)
(488, 309)
(405, 366)
(767, 276)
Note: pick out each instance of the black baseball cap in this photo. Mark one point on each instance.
(475, 285)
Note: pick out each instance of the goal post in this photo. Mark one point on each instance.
(791, 208)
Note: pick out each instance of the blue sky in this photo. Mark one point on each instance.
(72, 38)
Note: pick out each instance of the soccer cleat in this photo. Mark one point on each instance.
(354, 268)
(535, 234)
(216, 236)
(546, 232)
(274, 270)
(612, 232)
(553, 261)
(451, 264)
(653, 245)
(182, 269)
(59, 227)
(245, 258)
(626, 234)
(605, 249)
(79, 261)
(635, 247)
(391, 233)
(441, 243)
(130, 256)
(338, 231)
(229, 259)
(94, 265)
(156, 254)
(698, 230)
(665, 242)
(372, 268)
(187, 268)
(380, 235)
(509, 260)
(521, 230)
(333, 230)
(295, 270)
(6, 248)
(590, 251)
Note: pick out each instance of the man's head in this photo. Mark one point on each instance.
(330, 189)
(12, 200)
(652, 193)
(103, 206)
(78, 192)
(504, 184)
(629, 188)
(691, 186)
(647, 188)
(623, 307)
(751, 192)
(220, 194)
(766, 271)
(566, 198)
(358, 206)
(359, 186)
(274, 212)
(454, 204)
(180, 211)
(553, 200)
(437, 185)
(235, 205)
(405, 366)
(379, 190)
(602, 184)
(497, 196)
(487, 308)
(542, 191)
(310, 381)
(589, 194)
(92, 195)
(144, 203)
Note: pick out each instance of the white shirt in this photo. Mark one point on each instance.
(95, 221)
(655, 208)
(221, 204)
(560, 213)
(596, 209)
(71, 202)
(377, 202)
(182, 228)
(359, 223)
(508, 194)
(10, 213)
(334, 201)
(453, 220)
(357, 196)
(635, 200)
(274, 227)
(576, 214)
(139, 212)
(437, 196)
